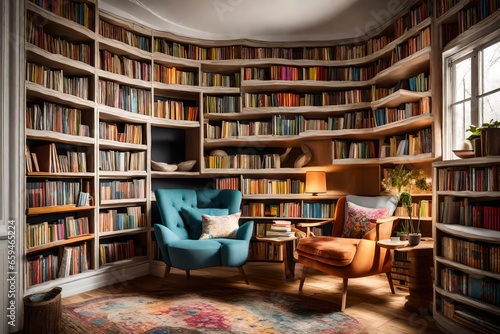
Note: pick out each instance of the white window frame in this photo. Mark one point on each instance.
(449, 59)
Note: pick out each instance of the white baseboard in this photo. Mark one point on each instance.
(113, 277)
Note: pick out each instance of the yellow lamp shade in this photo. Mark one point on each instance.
(315, 182)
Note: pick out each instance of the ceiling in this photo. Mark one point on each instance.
(264, 20)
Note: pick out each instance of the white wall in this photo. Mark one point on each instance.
(11, 166)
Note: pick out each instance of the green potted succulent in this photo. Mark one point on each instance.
(403, 230)
(484, 138)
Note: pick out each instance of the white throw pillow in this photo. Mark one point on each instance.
(220, 226)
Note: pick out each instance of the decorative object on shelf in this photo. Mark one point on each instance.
(464, 154)
(304, 158)
(402, 178)
(218, 153)
(284, 156)
(485, 138)
(315, 182)
(186, 166)
(163, 166)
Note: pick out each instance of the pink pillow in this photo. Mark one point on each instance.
(358, 220)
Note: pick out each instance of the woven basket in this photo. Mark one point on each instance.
(42, 312)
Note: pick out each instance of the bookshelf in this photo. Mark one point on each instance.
(155, 96)
(466, 244)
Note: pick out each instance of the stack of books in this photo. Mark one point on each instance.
(280, 229)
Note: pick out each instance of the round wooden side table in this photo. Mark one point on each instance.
(421, 273)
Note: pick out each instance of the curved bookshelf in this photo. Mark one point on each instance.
(178, 140)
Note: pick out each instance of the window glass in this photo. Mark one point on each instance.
(462, 80)
(490, 107)
(491, 69)
(460, 120)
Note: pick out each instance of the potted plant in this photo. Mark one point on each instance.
(401, 179)
(484, 139)
(403, 230)
(414, 236)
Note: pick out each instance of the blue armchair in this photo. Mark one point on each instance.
(178, 236)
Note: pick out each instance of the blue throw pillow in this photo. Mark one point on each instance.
(192, 218)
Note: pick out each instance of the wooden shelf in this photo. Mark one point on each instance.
(56, 209)
(60, 243)
(122, 175)
(59, 137)
(170, 123)
(123, 232)
(122, 146)
(123, 79)
(469, 301)
(60, 175)
(220, 90)
(252, 86)
(174, 175)
(467, 269)
(115, 114)
(43, 93)
(121, 48)
(113, 203)
(319, 197)
(399, 97)
(469, 232)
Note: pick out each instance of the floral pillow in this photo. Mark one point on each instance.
(220, 226)
(358, 220)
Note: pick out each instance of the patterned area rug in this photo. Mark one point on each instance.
(219, 311)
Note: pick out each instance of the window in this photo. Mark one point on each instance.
(472, 93)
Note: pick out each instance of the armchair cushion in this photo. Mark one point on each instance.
(330, 250)
(192, 218)
(358, 220)
(220, 226)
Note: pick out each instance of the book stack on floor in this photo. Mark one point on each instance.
(280, 229)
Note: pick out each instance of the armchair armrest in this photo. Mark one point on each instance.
(245, 231)
(314, 224)
(383, 227)
(164, 236)
(384, 220)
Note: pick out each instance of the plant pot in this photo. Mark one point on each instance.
(476, 145)
(414, 238)
(403, 237)
(490, 137)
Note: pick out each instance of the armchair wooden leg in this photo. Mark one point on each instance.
(242, 273)
(303, 278)
(187, 274)
(391, 283)
(166, 272)
(344, 295)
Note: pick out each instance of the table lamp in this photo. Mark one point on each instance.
(316, 182)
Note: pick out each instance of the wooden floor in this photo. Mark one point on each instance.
(369, 300)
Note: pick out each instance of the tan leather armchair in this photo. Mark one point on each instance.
(349, 257)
